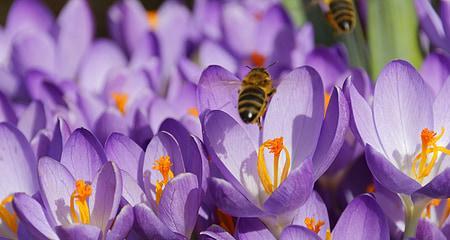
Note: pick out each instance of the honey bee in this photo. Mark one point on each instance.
(341, 15)
(254, 95)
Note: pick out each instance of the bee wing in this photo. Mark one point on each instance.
(219, 95)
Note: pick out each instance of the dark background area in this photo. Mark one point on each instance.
(99, 9)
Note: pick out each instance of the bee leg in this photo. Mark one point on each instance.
(271, 92)
(259, 124)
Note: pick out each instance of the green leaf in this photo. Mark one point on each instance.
(295, 10)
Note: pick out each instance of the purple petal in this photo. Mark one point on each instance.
(134, 24)
(159, 111)
(41, 143)
(240, 39)
(155, 230)
(211, 53)
(235, 153)
(27, 15)
(61, 133)
(32, 120)
(438, 186)
(122, 224)
(32, 215)
(83, 155)
(107, 190)
(75, 31)
(430, 23)
(402, 108)
(79, 231)
(296, 112)
(56, 184)
(252, 228)
(444, 12)
(274, 20)
(314, 208)
(217, 233)
(109, 122)
(33, 51)
(141, 132)
(230, 200)
(7, 113)
(332, 134)
(41, 88)
(387, 174)
(298, 232)
(293, 192)
(362, 219)
(102, 57)
(125, 153)
(189, 70)
(428, 231)
(179, 204)
(18, 164)
(131, 191)
(435, 70)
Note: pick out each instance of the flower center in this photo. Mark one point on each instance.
(79, 198)
(152, 18)
(121, 100)
(193, 111)
(275, 147)
(312, 225)
(421, 167)
(9, 218)
(434, 203)
(370, 188)
(257, 59)
(163, 165)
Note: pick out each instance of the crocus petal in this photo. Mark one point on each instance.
(32, 120)
(217, 233)
(18, 164)
(78, 231)
(428, 231)
(235, 154)
(179, 204)
(387, 174)
(32, 215)
(438, 187)
(159, 111)
(122, 224)
(313, 208)
(61, 133)
(102, 57)
(56, 184)
(109, 122)
(211, 53)
(444, 12)
(107, 190)
(273, 21)
(332, 134)
(252, 228)
(362, 219)
(240, 39)
(7, 113)
(402, 108)
(155, 230)
(230, 200)
(131, 191)
(435, 70)
(134, 24)
(141, 132)
(125, 153)
(75, 31)
(41, 143)
(40, 87)
(25, 15)
(298, 232)
(33, 50)
(83, 155)
(431, 23)
(293, 191)
(296, 112)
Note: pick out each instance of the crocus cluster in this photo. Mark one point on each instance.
(138, 135)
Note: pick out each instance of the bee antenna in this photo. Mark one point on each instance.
(248, 67)
(271, 64)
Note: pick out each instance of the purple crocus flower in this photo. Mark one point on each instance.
(435, 26)
(362, 219)
(294, 134)
(403, 151)
(165, 197)
(18, 169)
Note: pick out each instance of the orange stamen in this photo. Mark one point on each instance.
(152, 18)
(225, 221)
(162, 165)
(79, 197)
(326, 102)
(193, 111)
(9, 218)
(257, 59)
(370, 188)
(328, 235)
(312, 225)
(121, 100)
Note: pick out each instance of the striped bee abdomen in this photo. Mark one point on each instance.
(343, 13)
(251, 103)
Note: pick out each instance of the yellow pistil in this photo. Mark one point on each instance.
(312, 225)
(275, 147)
(328, 235)
(79, 197)
(429, 139)
(326, 102)
(9, 218)
(257, 59)
(163, 165)
(193, 111)
(152, 18)
(121, 100)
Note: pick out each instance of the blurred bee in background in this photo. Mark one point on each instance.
(341, 15)
(254, 95)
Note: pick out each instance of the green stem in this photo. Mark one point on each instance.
(413, 211)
